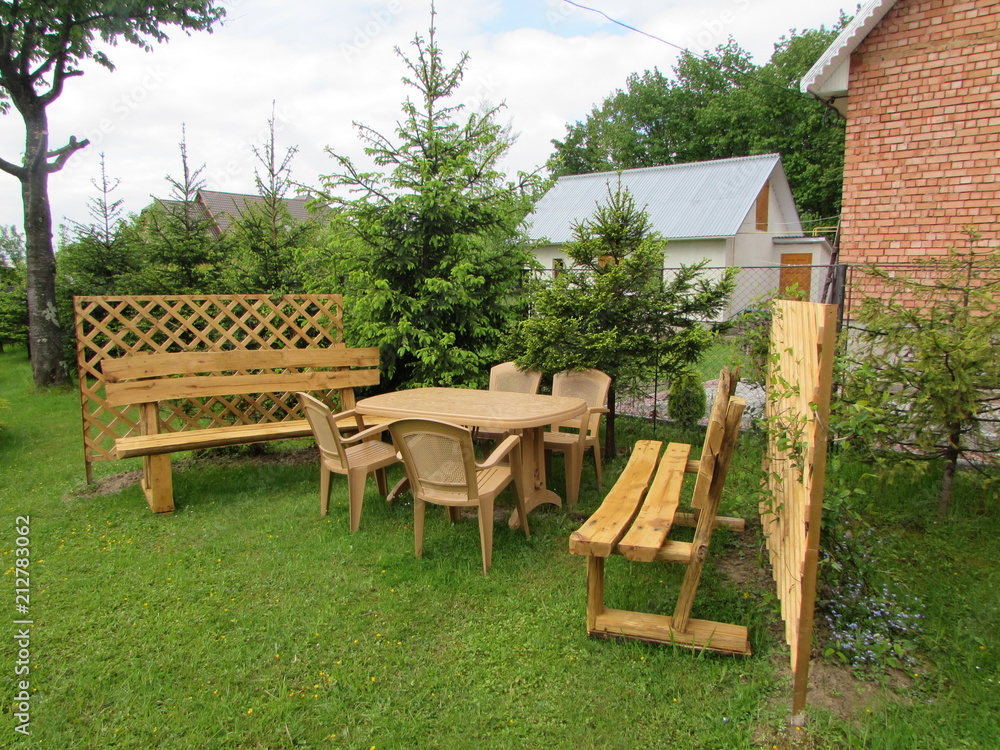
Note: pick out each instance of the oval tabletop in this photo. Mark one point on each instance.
(503, 410)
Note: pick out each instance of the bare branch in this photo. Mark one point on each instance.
(62, 155)
(19, 172)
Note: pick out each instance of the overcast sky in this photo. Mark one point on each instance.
(326, 65)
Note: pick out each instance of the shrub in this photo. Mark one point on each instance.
(687, 401)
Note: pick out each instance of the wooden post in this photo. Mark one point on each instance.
(595, 591)
(157, 478)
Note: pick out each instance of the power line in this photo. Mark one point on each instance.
(685, 50)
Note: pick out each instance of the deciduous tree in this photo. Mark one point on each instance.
(13, 288)
(42, 45)
(717, 106)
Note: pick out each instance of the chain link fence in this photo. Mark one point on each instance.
(839, 284)
(648, 399)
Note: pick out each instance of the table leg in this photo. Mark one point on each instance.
(533, 474)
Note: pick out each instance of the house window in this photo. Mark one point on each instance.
(763, 200)
(558, 266)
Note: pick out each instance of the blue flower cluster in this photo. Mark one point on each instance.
(870, 625)
(873, 627)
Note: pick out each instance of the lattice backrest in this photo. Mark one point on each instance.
(714, 435)
(439, 458)
(506, 376)
(324, 426)
(590, 385)
(115, 328)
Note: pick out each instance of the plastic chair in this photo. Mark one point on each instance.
(356, 456)
(573, 438)
(507, 376)
(441, 465)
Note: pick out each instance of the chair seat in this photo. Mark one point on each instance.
(561, 438)
(371, 453)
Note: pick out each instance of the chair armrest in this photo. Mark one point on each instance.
(364, 434)
(501, 451)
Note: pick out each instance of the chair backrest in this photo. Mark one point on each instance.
(439, 458)
(506, 376)
(324, 427)
(590, 385)
(715, 436)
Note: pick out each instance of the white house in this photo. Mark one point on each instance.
(733, 212)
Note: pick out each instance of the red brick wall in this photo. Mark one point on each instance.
(923, 132)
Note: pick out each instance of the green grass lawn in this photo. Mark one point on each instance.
(245, 620)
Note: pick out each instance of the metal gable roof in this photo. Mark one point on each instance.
(684, 201)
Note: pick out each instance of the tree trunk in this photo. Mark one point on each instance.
(950, 466)
(44, 331)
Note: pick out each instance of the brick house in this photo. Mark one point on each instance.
(919, 83)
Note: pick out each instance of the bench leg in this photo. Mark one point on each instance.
(595, 591)
(689, 587)
(158, 483)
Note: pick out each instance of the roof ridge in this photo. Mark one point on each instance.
(678, 165)
(243, 195)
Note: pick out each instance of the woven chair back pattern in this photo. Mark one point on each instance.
(114, 327)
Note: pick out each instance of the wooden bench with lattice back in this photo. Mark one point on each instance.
(148, 380)
(637, 515)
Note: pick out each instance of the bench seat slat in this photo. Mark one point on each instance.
(601, 532)
(651, 526)
(194, 386)
(214, 437)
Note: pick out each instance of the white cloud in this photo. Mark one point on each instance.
(327, 65)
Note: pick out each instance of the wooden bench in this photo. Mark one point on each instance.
(146, 380)
(637, 515)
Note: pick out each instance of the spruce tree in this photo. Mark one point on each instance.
(613, 310)
(435, 282)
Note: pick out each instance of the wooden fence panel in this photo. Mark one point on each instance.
(123, 326)
(803, 341)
